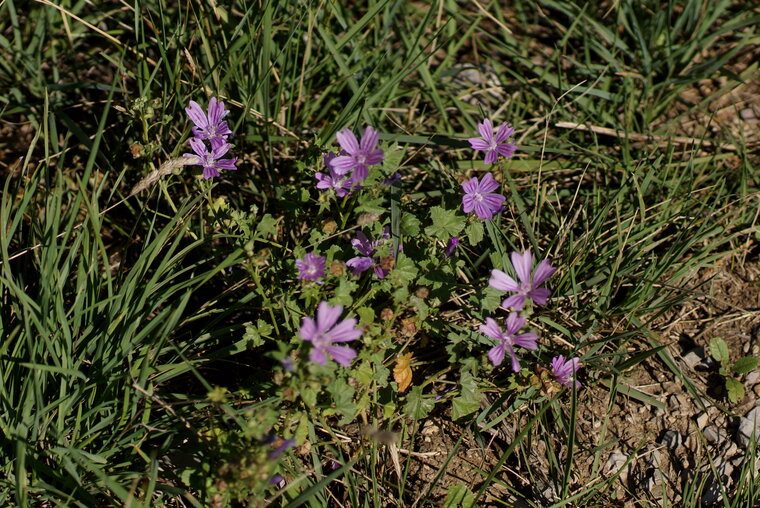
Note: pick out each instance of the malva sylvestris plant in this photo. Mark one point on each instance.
(366, 248)
(508, 339)
(343, 184)
(527, 287)
(325, 331)
(479, 196)
(493, 144)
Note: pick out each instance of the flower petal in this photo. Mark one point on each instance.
(471, 186)
(345, 331)
(503, 282)
(359, 264)
(486, 130)
(543, 271)
(478, 144)
(488, 184)
(496, 354)
(317, 356)
(514, 323)
(342, 164)
(507, 150)
(369, 140)
(491, 157)
(539, 296)
(348, 142)
(491, 329)
(198, 147)
(327, 316)
(523, 264)
(343, 355)
(308, 329)
(526, 340)
(196, 114)
(516, 302)
(503, 133)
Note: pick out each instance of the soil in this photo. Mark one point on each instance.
(651, 453)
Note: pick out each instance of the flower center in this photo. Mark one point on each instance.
(320, 340)
(478, 197)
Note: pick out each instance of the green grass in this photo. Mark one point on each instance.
(120, 312)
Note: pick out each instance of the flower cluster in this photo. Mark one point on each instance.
(367, 259)
(528, 287)
(350, 167)
(210, 127)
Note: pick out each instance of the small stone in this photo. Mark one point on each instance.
(702, 420)
(756, 390)
(615, 462)
(753, 377)
(674, 402)
(713, 435)
(749, 425)
(693, 357)
(672, 439)
(747, 114)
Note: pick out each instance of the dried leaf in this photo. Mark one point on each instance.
(402, 372)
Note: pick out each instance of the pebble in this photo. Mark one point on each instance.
(693, 358)
(747, 114)
(756, 390)
(702, 420)
(672, 439)
(615, 462)
(714, 435)
(748, 425)
(753, 377)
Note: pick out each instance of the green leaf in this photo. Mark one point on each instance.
(446, 223)
(468, 400)
(343, 396)
(735, 389)
(417, 406)
(719, 350)
(252, 336)
(392, 160)
(459, 496)
(475, 232)
(404, 272)
(745, 365)
(267, 226)
(366, 315)
(410, 225)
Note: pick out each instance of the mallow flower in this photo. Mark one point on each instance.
(325, 331)
(358, 155)
(527, 287)
(564, 370)
(212, 160)
(209, 126)
(366, 260)
(507, 340)
(480, 196)
(343, 184)
(311, 267)
(493, 144)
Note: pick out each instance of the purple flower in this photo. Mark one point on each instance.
(451, 246)
(343, 184)
(479, 196)
(311, 267)
(508, 340)
(324, 332)
(358, 155)
(493, 145)
(276, 480)
(209, 126)
(564, 370)
(212, 161)
(523, 264)
(286, 443)
(366, 248)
